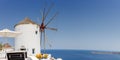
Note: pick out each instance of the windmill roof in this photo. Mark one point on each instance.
(26, 21)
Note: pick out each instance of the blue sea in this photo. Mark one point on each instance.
(82, 55)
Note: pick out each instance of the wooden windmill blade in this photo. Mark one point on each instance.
(44, 45)
(41, 39)
(48, 11)
(43, 16)
(45, 13)
(55, 29)
(47, 41)
(51, 19)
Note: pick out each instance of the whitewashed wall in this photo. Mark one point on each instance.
(28, 37)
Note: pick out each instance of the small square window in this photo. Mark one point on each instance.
(36, 32)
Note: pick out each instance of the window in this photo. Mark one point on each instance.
(33, 50)
(36, 32)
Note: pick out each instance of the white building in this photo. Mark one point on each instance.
(29, 38)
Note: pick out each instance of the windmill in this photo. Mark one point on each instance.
(43, 26)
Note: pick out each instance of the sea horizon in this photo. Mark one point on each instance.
(83, 54)
(85, 50)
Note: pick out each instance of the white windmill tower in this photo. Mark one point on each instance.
(29, 39)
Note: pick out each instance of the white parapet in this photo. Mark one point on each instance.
(59, 59)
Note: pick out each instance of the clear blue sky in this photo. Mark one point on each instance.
(82, 24)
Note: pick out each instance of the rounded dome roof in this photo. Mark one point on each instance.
(25, 21)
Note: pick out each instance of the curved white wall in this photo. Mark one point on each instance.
(29, 37)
